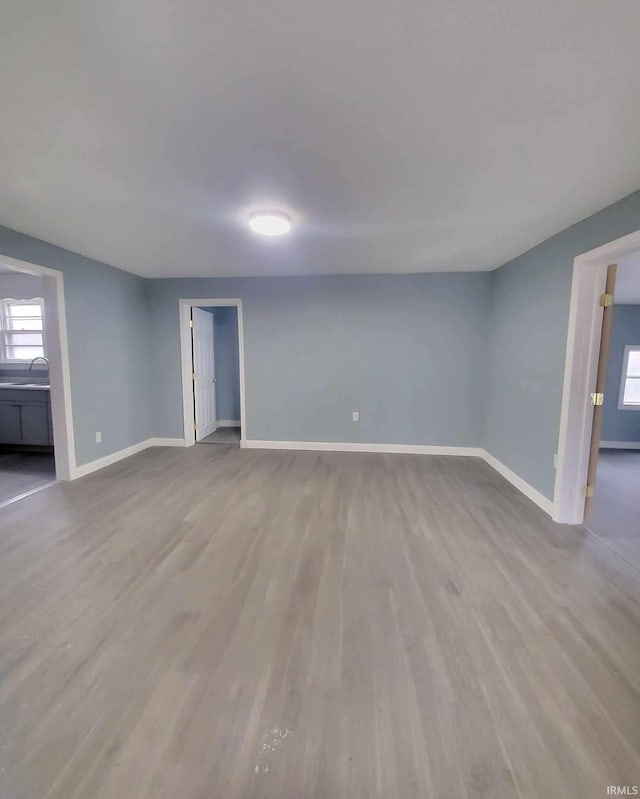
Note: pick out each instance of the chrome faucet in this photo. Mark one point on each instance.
(38, 358)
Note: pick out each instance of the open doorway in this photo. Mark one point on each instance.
(613, 511)
(593, 364)
(212, 350)
(216, 374)
(35, 431)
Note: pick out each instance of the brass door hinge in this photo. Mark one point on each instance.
(588, 491)
(596, 398)
(193, 375)
(606, 300)
(195, 426)
(191, 323)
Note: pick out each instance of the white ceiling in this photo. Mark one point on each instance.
(627, 290)
(425, 135)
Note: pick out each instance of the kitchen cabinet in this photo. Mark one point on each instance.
(25, 417)
(9, 422)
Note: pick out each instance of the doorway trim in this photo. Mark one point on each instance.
(581, 366)
(184, 311)
(59, 369)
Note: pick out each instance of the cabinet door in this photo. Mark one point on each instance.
(35, 423)
(9, 423)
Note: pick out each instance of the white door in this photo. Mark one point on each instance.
(204, 373)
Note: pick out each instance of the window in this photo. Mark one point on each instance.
(21, 330)
(629, 399)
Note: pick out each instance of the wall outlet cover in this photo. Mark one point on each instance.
(355, 416)
(98, 438)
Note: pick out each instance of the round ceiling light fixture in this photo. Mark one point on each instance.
(270, 223)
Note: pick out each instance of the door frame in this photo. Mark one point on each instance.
(59, 368)
(581, 367)
(184, 311)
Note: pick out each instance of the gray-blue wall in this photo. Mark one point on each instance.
(108, 326)
(406, 351)
(227, 363)
(473, 359)
(527, 343)
(620, 425)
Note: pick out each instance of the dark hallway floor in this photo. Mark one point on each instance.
(22, 472)
(223, 435)
(615, 518)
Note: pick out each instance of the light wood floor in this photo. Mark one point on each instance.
(217, 623)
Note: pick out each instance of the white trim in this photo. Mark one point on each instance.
(59, 369)
(228, 422)
(620, 445)
(108, 460)
(581, 363)
(10, 363)
(526, 488)
(184, 315)
(114, 457)
(341, 446)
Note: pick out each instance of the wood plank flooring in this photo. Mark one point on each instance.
(217, 623)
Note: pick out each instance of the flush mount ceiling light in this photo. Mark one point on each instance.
(270, 223)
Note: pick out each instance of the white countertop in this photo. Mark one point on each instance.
(24, 387)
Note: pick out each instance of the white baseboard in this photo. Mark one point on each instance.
(228, 423)
(528, 490)
(620, 445)
(101, 463)
(341, 446)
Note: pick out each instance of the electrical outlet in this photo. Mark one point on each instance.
(355, 416)
(98, 438)
(555, 460)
